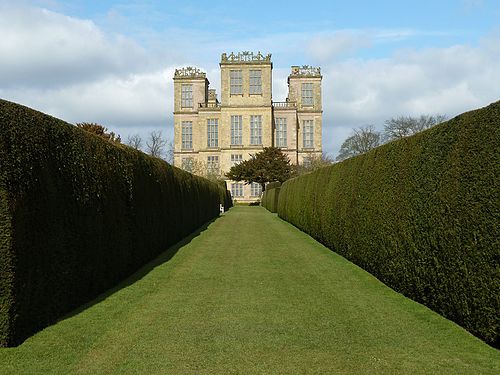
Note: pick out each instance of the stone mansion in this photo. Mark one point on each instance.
(210, 135)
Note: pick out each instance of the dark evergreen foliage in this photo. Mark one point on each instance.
(270, 196)
(271, 164)
(224, 195)
(99, 130)
(422, 214)
(78, 214)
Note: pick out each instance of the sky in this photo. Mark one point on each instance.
(112, 62)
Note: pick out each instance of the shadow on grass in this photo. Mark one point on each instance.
(141, 272)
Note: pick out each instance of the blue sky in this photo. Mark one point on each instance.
(112, 61)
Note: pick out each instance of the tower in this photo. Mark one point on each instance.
(304, 88)
(190, 93)
(211, 136)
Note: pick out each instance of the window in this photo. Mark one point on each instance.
(237, 189)
(212, 132)
(281, 132)
(236, 125)
(236, 82)
(236, 159)
(256, 130)
(187, 96)
(307, 94)
(213, 165)
(187, 135)
(308, 132)
(255, 189)
(255, 82)
(187, 164)
(306, 162)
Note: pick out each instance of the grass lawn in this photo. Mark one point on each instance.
(251, 294)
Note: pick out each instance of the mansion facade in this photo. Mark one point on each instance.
(210, 135)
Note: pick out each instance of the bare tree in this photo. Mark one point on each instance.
(363, 139)
(170, 152)
(404, 126)
(134, 141)
(100, 130)
(314, 162)
(155, 145)
(194, 166)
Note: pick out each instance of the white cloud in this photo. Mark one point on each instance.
(72, 69)
(119, 103)
(324, 47)
(40, 48)
(413, 82)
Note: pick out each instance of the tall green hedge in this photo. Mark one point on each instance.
(225, 196)
(422, 214)
(78, 214)
(270, 196)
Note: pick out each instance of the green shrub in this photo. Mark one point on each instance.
(270, 196)
(422, 214)
(273, 185)
(78, 214)
(270, 199)
(225, 195)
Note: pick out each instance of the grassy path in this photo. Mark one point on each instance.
(252, 294)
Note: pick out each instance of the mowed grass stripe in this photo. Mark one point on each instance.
(252, 294)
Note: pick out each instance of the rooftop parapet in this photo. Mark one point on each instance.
(305, 71)
(212, 95)
(245, 57)
(189, 72)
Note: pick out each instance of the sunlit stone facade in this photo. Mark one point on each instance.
(211, 135)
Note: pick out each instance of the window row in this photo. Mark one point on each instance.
(237, 189)
(307, 132)
(212, 163)
(213, 166)
(213, 132)
(186, 96)
(307, 94)
(281, 132)
(236, 88)
(255, 132)
(236, 82)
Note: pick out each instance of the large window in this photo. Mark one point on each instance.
(187, 96)
(237, 189)
(236, 82)
(256, 130)
(307, 94)
(307, 161)
(255, 189)
(213, 165)
(308, 133)
(255, 81)
(281, 132)
(187, 164)
(187, 135)
(212, 132)
(236, 126)
(236, 159)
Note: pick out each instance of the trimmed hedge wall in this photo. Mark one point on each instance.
(78, 214)
(270, 196)
(422, 214)
(225, 196)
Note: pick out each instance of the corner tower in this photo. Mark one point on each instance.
(304, 89)
(190, 93)
(211, 136)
